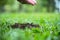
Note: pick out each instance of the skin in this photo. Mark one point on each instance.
(31, 2)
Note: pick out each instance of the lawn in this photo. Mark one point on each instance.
(49, 26)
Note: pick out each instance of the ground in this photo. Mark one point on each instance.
(49, 22)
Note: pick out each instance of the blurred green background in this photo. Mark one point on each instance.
(43, 13)
(15, 6)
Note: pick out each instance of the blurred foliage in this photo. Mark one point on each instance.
(15, 6)
(49, 26)
(3, 2)
(49, 23)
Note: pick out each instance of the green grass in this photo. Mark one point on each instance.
(49, 30)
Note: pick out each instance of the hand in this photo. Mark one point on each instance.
(31, 2)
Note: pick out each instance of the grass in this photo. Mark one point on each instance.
(49, 30)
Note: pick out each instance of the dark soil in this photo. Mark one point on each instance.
(24, 25)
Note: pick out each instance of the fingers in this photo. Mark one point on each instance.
(31, 2)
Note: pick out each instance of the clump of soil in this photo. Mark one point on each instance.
(24, 25)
